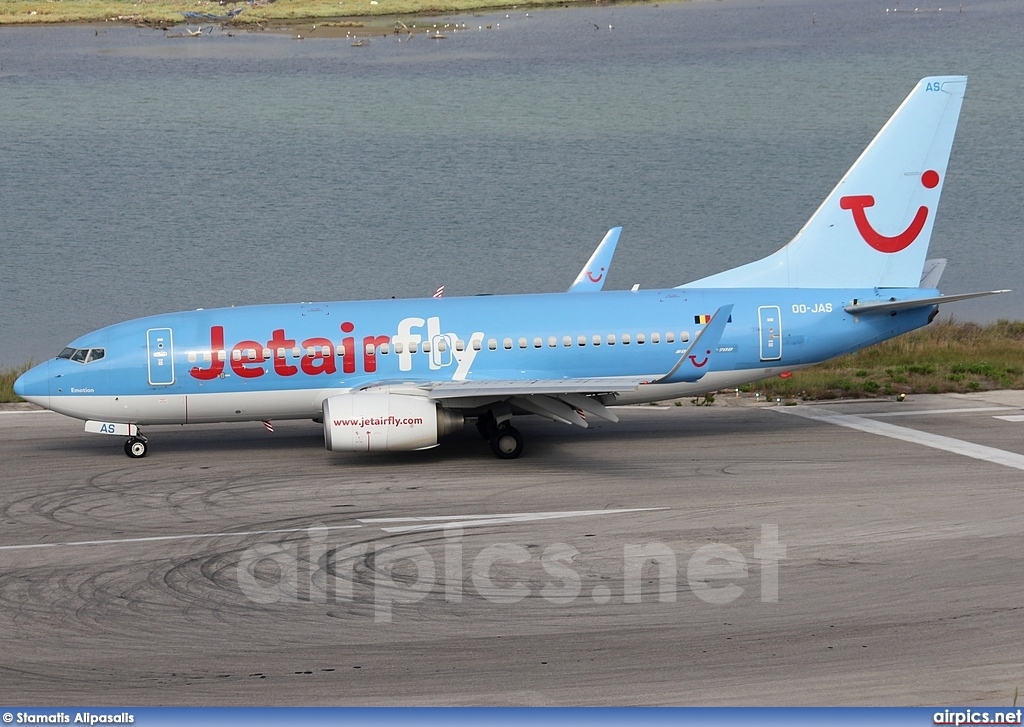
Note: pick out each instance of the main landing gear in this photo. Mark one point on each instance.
(136, 447)
(505, 440)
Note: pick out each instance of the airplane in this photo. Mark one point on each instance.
(399, 374)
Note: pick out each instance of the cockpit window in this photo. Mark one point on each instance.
(82, 355)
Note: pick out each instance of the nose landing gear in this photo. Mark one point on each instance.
(136, 447)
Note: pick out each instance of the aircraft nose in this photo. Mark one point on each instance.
(34, 385)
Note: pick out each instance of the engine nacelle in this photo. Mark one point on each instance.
(385, 422)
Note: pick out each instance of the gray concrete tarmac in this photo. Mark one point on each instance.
(631, 563)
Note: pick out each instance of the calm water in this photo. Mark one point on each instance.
(141, 174)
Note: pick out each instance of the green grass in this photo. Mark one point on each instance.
(943, 357)
(169, 11)
(7, 383)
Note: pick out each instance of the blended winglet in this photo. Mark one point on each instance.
(695, 361)
(595, 272)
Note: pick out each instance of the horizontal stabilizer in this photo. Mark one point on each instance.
(891, 306)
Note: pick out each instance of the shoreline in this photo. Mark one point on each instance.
(364, 15)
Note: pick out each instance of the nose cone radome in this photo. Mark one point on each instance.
(34, 385)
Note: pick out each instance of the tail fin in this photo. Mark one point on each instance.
(874, 228)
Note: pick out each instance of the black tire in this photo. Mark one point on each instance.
(507, 443)
(136, 448)
(486, 425)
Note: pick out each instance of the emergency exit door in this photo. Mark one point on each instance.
(160, 353)
(770, 325)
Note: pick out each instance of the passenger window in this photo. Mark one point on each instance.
(442, 345)
(476, 344)
(552, 342)
(684, 336)
(267, 354)
(340, 349)
(581, 341)
(412, 346)
(296, 351)
(191, 356)
(250, 353)
(597, 340)
(611, 339)
(538, 343)
(384, 349)
(236, 355)
(311, 352)
(507, 343)
(281, 354)
(567, 341)
(460, 345)
(522, 343)
(369, 350)
(670, 337)
(640, 339)
(207, 356)
(222, 356)
(655, 337)
(625, 339)
(426, 347)
(492, 344)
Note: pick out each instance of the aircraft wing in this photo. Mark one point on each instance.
(595, 272)
(569, 400)
(891, 306)
(512, 387)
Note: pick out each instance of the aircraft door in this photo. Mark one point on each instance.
(160, 354)
(769, 322)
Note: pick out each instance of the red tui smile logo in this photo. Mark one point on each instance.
(858, 203)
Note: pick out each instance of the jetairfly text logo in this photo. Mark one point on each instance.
(251, 359)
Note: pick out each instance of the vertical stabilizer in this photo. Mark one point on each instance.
(874, 228)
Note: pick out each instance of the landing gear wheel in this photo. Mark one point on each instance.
(136, 448)
(507, 443)
(486, 425)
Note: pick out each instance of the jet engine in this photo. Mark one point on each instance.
(385, 422)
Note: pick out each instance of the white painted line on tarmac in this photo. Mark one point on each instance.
(26, 411)
(935, 441)
(920, 412)
(1012, 418)
(439, 522)
(157, 538)
(424, 524)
